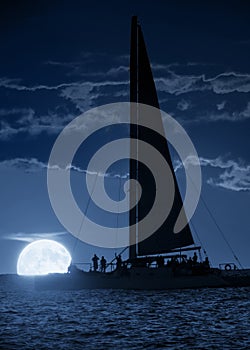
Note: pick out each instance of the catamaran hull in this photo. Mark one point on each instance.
(141, 280)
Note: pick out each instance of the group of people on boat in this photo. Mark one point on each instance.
(175, 262)
(103, 263)
(189, 263)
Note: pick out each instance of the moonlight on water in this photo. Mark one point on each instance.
(42, 257)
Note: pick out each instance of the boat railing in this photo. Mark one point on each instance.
(228, 266)
(81, 265)
(84, 266)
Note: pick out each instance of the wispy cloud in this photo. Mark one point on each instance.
(221, 105)
(227, 116)
(112, 86)
(82, 67)
(223, 83)
(172, 82)
(174, 65)
(27, 164)
(31, 237)
(183, 105)
(16, 111)
(7, 131)
(235, 178)
(31, 165)
(16, 85)
(29, 122)
(234, 175)
(117, 70)
(216, 116)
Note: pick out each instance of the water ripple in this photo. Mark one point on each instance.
(188, 319)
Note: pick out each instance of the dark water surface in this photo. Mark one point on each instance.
(106, 319)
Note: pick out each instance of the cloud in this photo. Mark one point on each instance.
(215, 116)
(172, 66)
(81, 97)
(32, 165)
(89, 63)
(15, 84)
(27, 164)
(109, 86)
(223, 83)
(230, 82)
(19, 111)
(7, 131)
(221, 105)
(29, 122)
(117, 70)
(183, 105)
(234, 176)
(235, 116)
(31, 237)
(172, 82)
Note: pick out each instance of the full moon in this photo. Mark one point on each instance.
(43, 257)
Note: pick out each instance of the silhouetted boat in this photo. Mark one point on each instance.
(158, 262)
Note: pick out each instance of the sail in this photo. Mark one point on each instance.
(142, 90)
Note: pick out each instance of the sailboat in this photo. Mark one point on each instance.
(159, 261)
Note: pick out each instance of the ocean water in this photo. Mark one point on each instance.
(106, 319)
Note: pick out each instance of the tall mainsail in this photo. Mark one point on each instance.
(142, 90)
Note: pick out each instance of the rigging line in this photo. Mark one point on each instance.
(117, 222)
(221, 232)
(118, 206)
(85, 212)
(123, 250)
(216, 224)
(198, 237)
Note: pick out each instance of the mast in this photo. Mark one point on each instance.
(133, 165)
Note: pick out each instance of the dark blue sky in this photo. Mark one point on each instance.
(60, 58)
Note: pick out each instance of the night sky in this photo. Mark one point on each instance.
(61, 58)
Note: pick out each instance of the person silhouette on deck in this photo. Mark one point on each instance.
(95, 262)
(206, 262)
(160, 261)
(195, 258)
(103, 264)
(118, 261)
